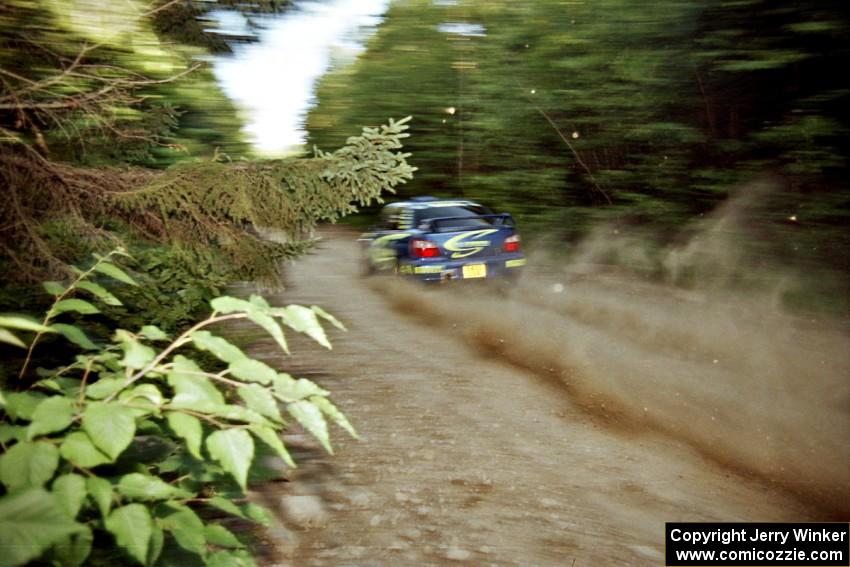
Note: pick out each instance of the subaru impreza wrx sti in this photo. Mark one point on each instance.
(443, 239)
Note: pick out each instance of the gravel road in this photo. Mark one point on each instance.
(493, 433)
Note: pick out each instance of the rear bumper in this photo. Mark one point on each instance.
(441, 269)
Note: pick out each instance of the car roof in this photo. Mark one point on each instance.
(432, 203)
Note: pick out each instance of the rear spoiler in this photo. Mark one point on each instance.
(433, 225)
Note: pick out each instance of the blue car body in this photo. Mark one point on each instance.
(443, 239)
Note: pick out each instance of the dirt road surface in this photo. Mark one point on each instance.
(487, 443)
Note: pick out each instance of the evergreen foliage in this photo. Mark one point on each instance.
(188, 21)
(92, 83)
(206, 210)
(205, 207)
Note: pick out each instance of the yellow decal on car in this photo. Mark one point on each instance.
(381, 252)
(515, 263)
(463, 245)
(428, 269)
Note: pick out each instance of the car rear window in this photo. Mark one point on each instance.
(468, 213)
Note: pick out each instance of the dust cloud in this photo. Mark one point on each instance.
(718, 365)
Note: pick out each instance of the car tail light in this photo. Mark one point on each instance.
(511, 243)
(420, 248)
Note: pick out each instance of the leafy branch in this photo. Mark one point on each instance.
(62, 305)
(73, 459)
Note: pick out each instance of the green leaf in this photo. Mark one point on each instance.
(53, 288)
(260, 302)
(51, 415)
(153, 333)
(132, 527)
(220, 348)
(257, 513)
(21, 405)
(238, 558)
(332, 412)
(260, 400)
(328, 317)
(234, 449)
(239, 413)
(304, 320)
(79, 449)
(121, 251)
(100, 490)
(70, 491)
(99, 292)
(114, 272)
(30, 522)
(104, 388)
(136, 354)
(186, 527)
(28, 465)
(137, 486)
(23, 324)
(9, 337)
(47, 384)
(74, 334)
(156, 545)
(271, 326)
(78, 305)
(192, 391)
(147, 391)
(189, 428)
(292, 390)
(251, 370)
(10, 432)
(308, 415)
(226, 304)
(142, 400)
(73, 551)
(216, 534)
(65, 385)
(271, 438)
(110, 426)
(226, 505)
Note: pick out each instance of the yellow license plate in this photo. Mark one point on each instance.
(475, 271)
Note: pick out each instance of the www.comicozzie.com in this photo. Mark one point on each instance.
(757, 544)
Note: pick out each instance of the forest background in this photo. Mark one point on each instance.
(638, 124)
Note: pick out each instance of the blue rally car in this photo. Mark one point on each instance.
(443, 239)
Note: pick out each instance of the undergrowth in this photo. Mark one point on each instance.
(133, 444)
